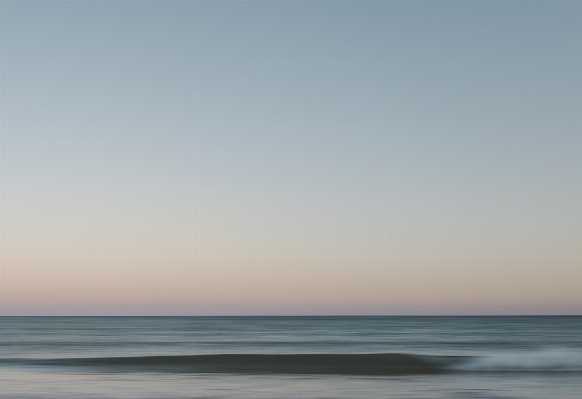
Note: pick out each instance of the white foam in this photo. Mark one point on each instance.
(547, 360)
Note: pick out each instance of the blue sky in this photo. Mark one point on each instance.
(291, 157)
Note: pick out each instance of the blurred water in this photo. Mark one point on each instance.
(496, 342)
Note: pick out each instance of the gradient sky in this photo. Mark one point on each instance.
(231, 157)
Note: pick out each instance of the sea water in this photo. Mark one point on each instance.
(291, 357)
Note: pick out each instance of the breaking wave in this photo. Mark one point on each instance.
(542, 361)
(378, 364)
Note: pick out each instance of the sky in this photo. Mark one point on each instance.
(291, 157)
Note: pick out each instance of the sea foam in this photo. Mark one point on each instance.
(541, 361)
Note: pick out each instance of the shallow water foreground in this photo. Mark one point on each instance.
(37, 384)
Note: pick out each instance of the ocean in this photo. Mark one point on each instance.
(291, 357)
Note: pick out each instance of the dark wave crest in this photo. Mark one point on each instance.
(348, 364)
(352, 364)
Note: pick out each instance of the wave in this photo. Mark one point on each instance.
(542, 361)
(378, 364)
(352, 364)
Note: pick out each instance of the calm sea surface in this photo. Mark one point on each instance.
(291, 357)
